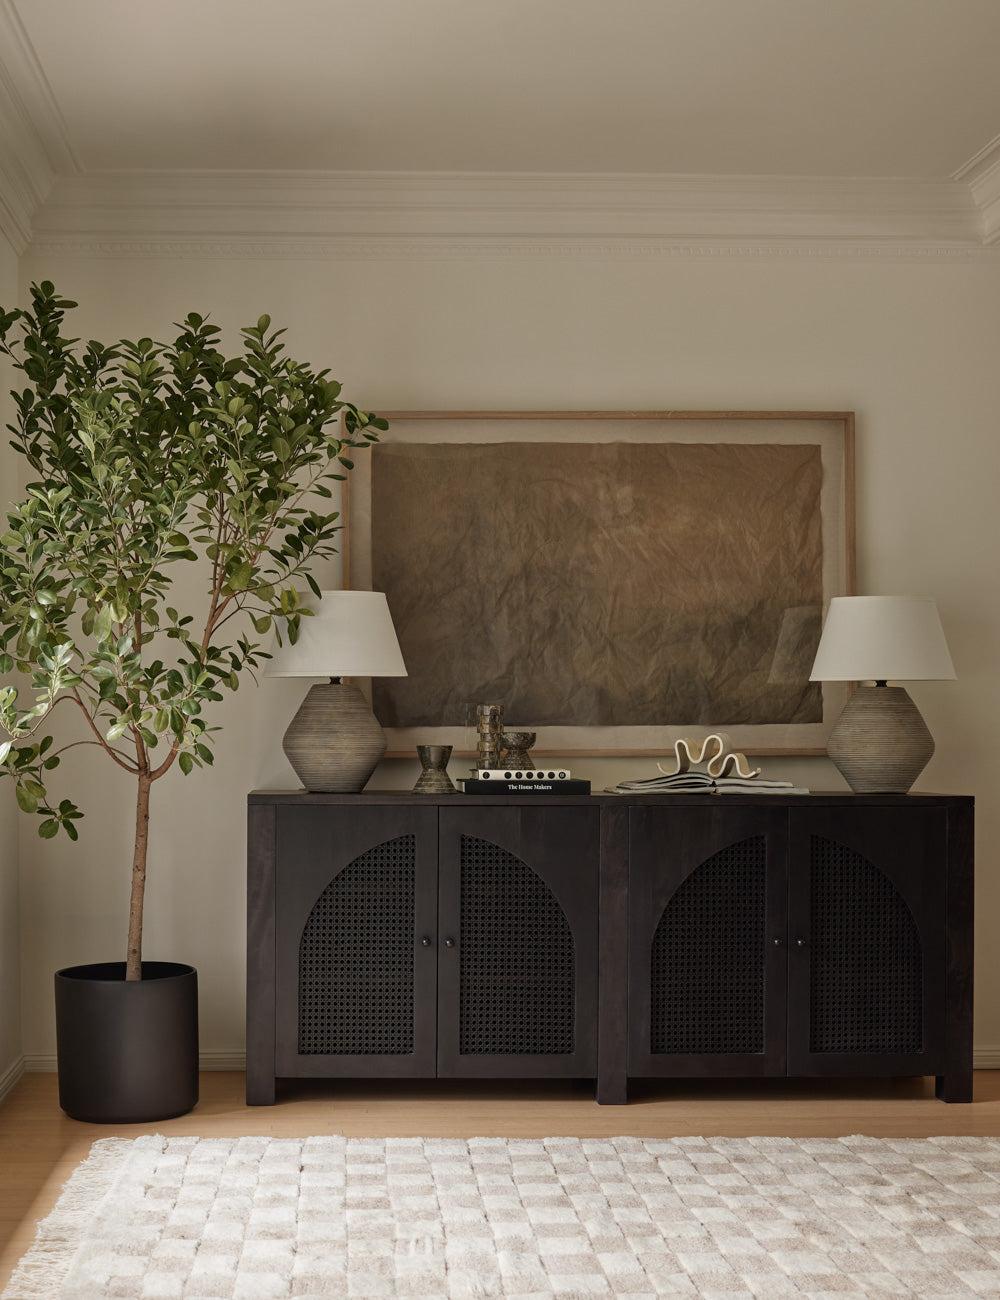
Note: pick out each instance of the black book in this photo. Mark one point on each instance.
(570, 786)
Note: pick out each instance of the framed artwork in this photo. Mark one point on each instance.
(615, 579)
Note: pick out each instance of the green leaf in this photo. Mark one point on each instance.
(102, 622)
(48, 828)
(239, 579)
(25, 801)
(186, 763)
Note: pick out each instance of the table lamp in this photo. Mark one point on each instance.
(334, 742)
(880, 742)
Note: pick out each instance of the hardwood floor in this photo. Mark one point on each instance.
(40, 1147)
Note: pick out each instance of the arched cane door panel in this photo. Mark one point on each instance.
(707, 960)
(517, 973)
(866, 960)
(356, 941)
(518, 922)
(356, 977)
(707, 957)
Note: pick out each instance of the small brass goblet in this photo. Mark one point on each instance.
(434, 778)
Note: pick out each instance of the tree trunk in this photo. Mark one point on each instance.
(133, 957)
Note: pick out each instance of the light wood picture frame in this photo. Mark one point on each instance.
(439, 473)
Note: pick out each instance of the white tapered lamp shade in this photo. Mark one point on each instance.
(882, 638)
(349, 634)
(334, 742)
(880, 742)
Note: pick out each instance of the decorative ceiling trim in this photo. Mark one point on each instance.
(479, 248)
(982, 175)
(50, 205)
(358, 214)
(25, 177)
(35, 91)
(987, 154)
(26, 168)
(16, 199)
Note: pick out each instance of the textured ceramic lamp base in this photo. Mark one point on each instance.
(334, 742)
(880, 744)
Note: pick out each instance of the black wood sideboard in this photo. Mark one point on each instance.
(609, 937)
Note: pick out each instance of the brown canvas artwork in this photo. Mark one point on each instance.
(600, 584)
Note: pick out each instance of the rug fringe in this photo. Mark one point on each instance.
(41, 1272)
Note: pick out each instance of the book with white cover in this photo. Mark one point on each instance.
(701, 782)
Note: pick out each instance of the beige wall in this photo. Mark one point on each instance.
(910, 346)
(10, 976)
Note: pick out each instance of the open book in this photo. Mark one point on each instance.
(688, 782)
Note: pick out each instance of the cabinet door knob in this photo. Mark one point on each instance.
(449, 943)
(425, 942)
(800, 943)
(776, 941)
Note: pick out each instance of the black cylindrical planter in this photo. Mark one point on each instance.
(128, 1050)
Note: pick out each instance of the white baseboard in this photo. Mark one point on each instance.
(10, 1076)
(237, 1060)
(45, 1062)
(40, 1063)
(983, 1058)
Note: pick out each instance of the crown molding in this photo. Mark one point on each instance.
(409, 214)
(27, 165)
(50, 205)
(25, 71)
(429, 248)
(982, 175)
(25, 176)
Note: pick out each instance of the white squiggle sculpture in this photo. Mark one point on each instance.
(715, 753)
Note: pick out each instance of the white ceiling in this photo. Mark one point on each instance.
(769, 87)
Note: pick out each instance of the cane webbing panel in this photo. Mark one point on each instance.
(356, 958)
(517, 959)
(707, 960)
(866, 964)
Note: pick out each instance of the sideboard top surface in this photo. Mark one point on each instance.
(825, 797)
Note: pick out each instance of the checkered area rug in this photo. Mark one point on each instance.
(263, 1217)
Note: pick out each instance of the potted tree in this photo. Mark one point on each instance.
(147, 457)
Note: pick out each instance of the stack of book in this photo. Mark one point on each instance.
(502, 783)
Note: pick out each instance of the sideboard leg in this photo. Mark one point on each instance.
(613, 1091)
(259, 1089)
(954, 1086)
